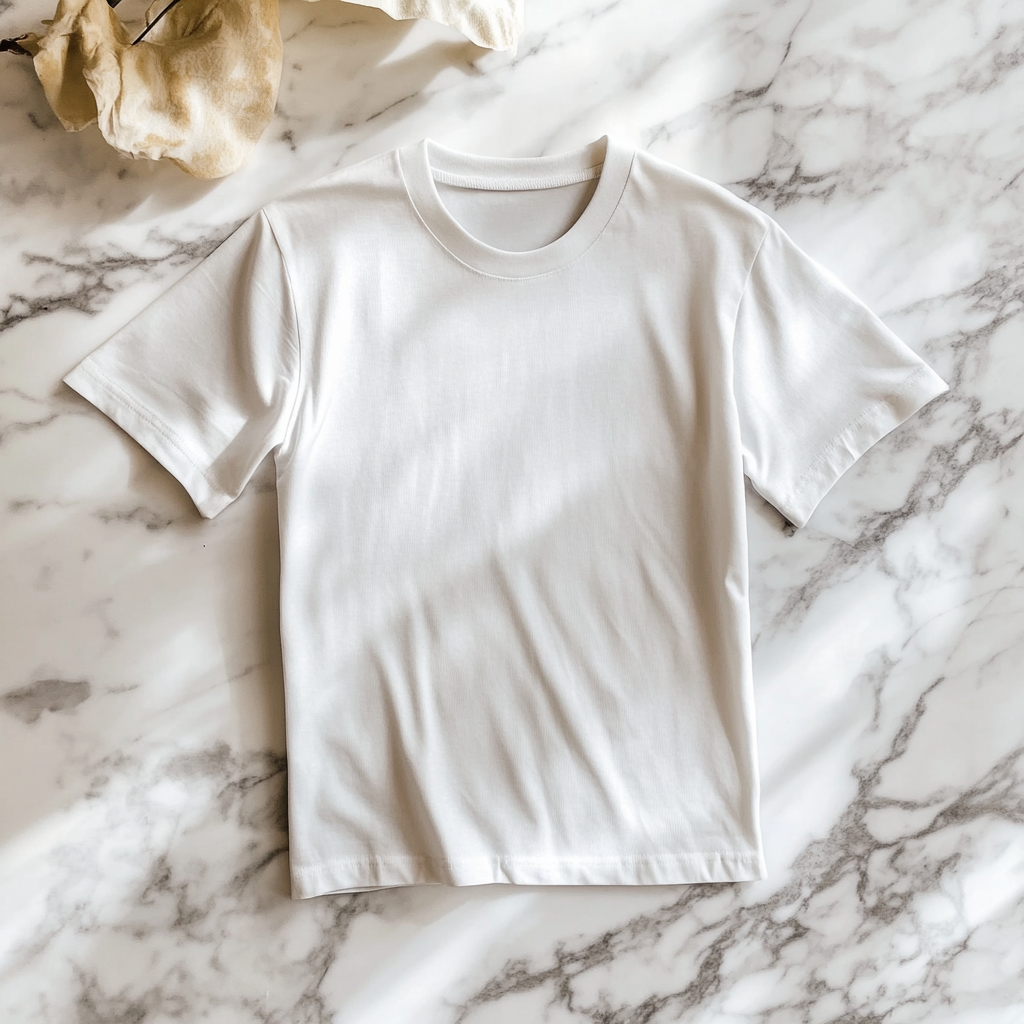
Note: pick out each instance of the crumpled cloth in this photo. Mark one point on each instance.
(198, 90)
(496, 24)
(201, 87)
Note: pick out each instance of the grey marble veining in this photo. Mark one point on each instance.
(143, 833)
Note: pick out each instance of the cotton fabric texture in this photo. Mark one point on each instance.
(198, 90)
(495, 24)
(511, 404)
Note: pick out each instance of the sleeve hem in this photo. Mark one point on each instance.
(884, 416)
(156, 437)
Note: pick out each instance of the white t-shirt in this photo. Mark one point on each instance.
(511, 404)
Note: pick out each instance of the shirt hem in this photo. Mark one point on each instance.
(360, 874)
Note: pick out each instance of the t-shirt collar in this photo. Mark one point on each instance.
(424, 162)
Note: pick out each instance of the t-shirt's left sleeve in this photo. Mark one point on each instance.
(817, 377)
(206, 377)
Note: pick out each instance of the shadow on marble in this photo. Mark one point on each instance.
(84, 209)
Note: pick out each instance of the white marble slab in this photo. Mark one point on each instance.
(141, 710)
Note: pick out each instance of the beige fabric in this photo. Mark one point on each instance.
(202, 86)
(199, 89)
(496, 24)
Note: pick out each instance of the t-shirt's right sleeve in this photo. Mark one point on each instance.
(818, 378)
(206, 377)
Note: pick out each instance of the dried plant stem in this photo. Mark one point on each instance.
(14, 46)
(155, 21)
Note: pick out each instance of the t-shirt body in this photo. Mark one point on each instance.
(511, 404)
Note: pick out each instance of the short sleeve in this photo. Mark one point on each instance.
(818, 378)
(206, 377)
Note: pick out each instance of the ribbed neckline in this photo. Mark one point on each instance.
(426, 162)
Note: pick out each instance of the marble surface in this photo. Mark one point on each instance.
(141, 713)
